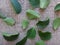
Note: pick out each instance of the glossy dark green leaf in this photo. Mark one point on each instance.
(35, 3)
(25, 24)
(22, 42)
(44, 35)
(32, 14)
(44, 4)
(42, 24)
(16, 5)
(9, 21)
(40, 42)
(57, 7)
(56, 23)
(10, 36)
(31, 33)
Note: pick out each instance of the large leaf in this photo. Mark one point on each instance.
(9, 21)
(44, 35)
(25, 24)
(44, 4)
(31, 33)
(10, 36)
(56, 23)
(41, 42)
(22, 42)
(42, 24)
(35, 3)
(16, 5)
(57, 7)
(32, 14)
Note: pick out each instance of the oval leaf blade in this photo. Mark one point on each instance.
(44, 35)
(44, 4)
(25, 24)
(57, 7)
(32, 14)
(31, 33)
(16, 5)
(56, 23)
(41, 42)
(35, 3)
(42, 24)
(22, 42)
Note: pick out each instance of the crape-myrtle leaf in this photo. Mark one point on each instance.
(22, 42)
(2, 16)
(25, 24)
(57, 7)
(42, 24)
(9, 21)
(56, 23)
(10, 36)
(44, 4)
(31, 33)
(34, 3)
(44, 35)
(16, 5)
(40, 42)
(31, 14)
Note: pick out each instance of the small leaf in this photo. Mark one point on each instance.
(22, 42)
(57, 7)
(9, 21)
(42, 24)
(44, 35)
(32, 14)
(16, 5)
(44, 4)
(41, 42)
(2, 16)
(56, 23)
(31, 33)
(10, 36)
(35, 3)
(25, 24)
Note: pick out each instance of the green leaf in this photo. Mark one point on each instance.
(2, 16)
(22, 42)
(9, 21)
(56, 23)
(25, 24)
(44, 4)
(42, 24)
(31, 33)
(57, 7)
(40, 42)
(32, 14)
(44, 35)
(35, 3)
(16, 5)
(10, 36)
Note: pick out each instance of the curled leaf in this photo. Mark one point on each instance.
(31, 33)
(16, 5)
(9, 21)
(42, 24)
(22, 42)
(25, 24)
(57, 7)
(32, 14)
(44, 35)
(41, 42)
(44, 4)
(56, 23)
(10, 36)
(35, 3)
